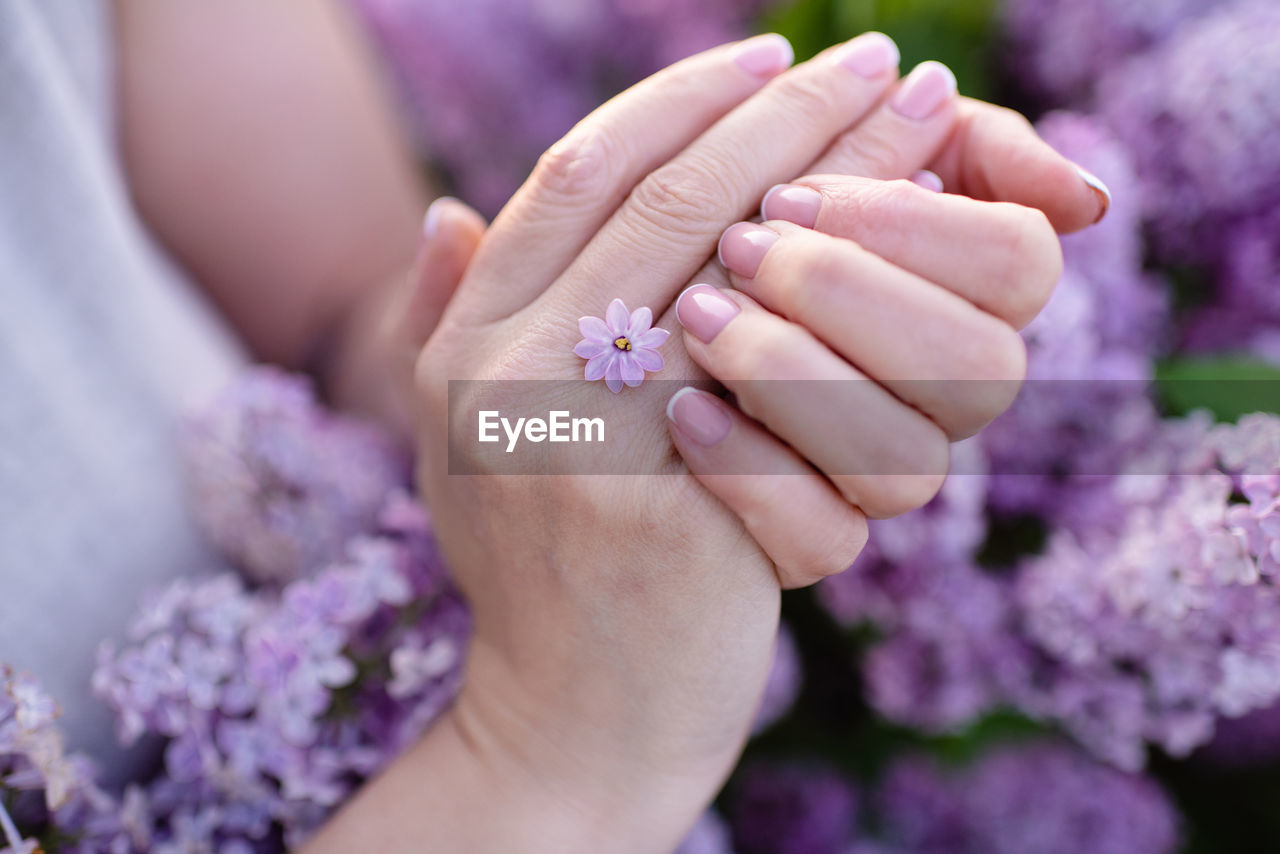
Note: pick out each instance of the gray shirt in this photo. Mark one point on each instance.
(103, 342)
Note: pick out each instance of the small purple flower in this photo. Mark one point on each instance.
(620, 348)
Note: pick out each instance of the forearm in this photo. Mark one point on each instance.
(261, 150)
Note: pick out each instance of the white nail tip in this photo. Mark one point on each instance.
(671, 404)
(1094, 181)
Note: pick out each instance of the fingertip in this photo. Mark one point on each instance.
(431, 222)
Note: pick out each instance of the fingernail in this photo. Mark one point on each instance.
(793, 203)
(928, 180)
(1099, 189)
(926, 89)
(704, 311)
(764, 56)
(743, 247)
(431, 224)
(869, 55)
(698, 417)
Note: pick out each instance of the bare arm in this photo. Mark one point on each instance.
(261, 151)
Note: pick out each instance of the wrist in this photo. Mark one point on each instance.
(590, 773)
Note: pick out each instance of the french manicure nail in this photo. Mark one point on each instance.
(743, 247)
(926, 88)
(698, 417)
(1099, 189)
(704, 311)
(792, 203)
(869, 55)
(764, 56)
(929, 180)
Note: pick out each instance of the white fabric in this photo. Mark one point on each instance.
(102, 345)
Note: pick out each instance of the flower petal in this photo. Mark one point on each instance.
(632, 373)
(641, 320)
(588, 349)
(613, 375)
(617, 317)
(593, 329)
(598, 367)
(650, 360)
(650, 340)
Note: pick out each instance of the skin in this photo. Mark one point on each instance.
(624, 626)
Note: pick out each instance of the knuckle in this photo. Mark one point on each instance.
(762, 355)
(579, 165)
(909, 482)
(814, 273)
(811, 95)
(831, 553)
(1003, 355)
(678, 198)
(1029, 263)
(902, 493)
(870, 153)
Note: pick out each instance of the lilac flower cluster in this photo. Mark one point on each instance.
(1200, 112)
(276, 705)
(489, 85)
(1035, 798)
(1177, 622)
(279, 483)
(46, 792)
(1059, 49)
(790, 808)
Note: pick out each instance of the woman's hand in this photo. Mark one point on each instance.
(624, 625)
(859, 338)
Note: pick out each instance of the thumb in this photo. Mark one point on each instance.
(451, 233)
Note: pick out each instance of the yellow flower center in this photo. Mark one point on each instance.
(622, 343)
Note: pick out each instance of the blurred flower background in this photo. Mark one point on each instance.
(1074, 648)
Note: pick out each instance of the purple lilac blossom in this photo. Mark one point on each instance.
(1242, 315)
(45, 788)
(1058, 49)
(1040, 798)
(1199, 114)
(1154, 636)
(793, 809)
(952, 654)
(279, 483)
(276, 704)
(949, 648)
(621, 347)
(489, 85)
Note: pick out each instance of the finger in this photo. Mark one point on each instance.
(883, 455)
(904, 133)
(583, 178)
(451, 233)
(800, 521)
(1002, 257)
(933, 349)
(996, 155)
(670, 223)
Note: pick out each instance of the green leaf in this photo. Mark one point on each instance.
(1227, 386)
